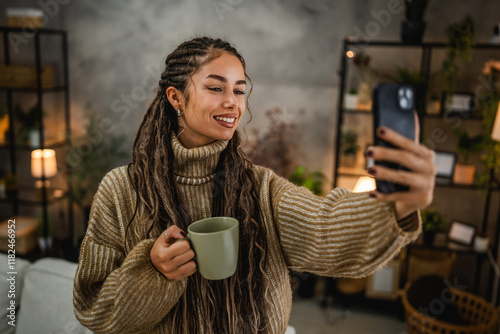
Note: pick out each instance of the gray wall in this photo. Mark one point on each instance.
(117, 48)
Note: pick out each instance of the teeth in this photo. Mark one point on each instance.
(225, 119)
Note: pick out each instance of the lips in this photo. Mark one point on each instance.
(227, 120)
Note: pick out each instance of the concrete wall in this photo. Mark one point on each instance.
(117, 48)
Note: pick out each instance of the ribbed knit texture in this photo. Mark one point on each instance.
(118, 290)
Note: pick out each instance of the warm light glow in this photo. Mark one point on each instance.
(495, 134)
(49, 163)
(350, 54)
(364, 184)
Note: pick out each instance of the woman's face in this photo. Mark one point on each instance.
(216, 102)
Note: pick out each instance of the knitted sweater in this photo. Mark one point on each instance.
(118, 290)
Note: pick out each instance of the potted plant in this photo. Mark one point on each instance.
(412, 29)
(87, 170)
(460, 40)
(11, 185)
(272, 146)
(488, 104)
(351, 99)
(30, 125)
(432, 222)
(362, 62)
(349, 147)
(434, 105)
(464, 171)
(313, 181)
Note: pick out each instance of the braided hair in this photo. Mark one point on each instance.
(235, 304)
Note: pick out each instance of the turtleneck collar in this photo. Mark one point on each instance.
(196, 165)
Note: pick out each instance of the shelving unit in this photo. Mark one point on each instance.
(26, 194)
(426, 51)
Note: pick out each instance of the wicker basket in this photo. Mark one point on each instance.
(425, 261)
(481, 316)
(21, 76)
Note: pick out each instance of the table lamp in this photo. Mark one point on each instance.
(43, 163)
(364, 184)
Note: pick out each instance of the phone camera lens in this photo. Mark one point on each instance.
(409, 94)
(404, 103)
(401, 92)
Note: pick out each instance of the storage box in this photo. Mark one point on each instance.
(22, 76)
(25, 231)
(24, 17)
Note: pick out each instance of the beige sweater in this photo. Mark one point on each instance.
(118, 290)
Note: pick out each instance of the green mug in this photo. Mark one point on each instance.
(215, 242)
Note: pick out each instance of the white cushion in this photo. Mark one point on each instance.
(20, 268)
(47, 299)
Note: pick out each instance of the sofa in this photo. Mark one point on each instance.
(43, 297)
(43, 294)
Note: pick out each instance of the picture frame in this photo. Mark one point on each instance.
(461, 103)
(461, 233)
(384, 283)
(445, 166)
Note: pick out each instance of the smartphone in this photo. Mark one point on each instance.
(393, 107)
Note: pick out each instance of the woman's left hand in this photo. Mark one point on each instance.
(421, 175)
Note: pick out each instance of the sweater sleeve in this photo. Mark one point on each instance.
(115, 292)
(343, 234)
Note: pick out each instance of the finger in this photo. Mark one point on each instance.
(402, 196)
(399, 140)
(180, 260)
(399, 176)
(406, 159)
(182, 272)
(417, 128)
(172, 233)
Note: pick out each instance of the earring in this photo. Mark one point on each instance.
(178, 113)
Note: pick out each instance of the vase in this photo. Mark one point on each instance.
(351, 101)
(412, 32)
(34, 138)
(365, 96)
(348, 160)
(464, 174)
(481, 244)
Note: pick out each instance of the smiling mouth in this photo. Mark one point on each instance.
(225, 119)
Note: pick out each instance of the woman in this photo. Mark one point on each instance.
(188, 165)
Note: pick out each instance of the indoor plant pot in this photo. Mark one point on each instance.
(464, 174)
(481, 243)
(351, 100)
(412, 32)
(413, 28)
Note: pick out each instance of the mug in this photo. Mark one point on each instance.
(215, 242)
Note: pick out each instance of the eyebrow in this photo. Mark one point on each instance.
(224, 80)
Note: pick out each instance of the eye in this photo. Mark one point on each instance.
(239, 92)
(215, 89)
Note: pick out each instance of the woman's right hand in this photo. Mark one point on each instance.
(173, 259)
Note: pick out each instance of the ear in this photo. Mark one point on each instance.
(175, 97)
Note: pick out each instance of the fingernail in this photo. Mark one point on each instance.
(372, 171)
(369, 153)
(373, 195)
(381, 131)
(183, 234)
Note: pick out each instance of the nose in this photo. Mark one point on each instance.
(229, 101)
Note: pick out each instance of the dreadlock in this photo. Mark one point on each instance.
(235, 304)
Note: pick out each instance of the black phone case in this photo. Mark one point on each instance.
(391, 111)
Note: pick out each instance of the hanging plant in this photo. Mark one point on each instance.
(460, 41)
